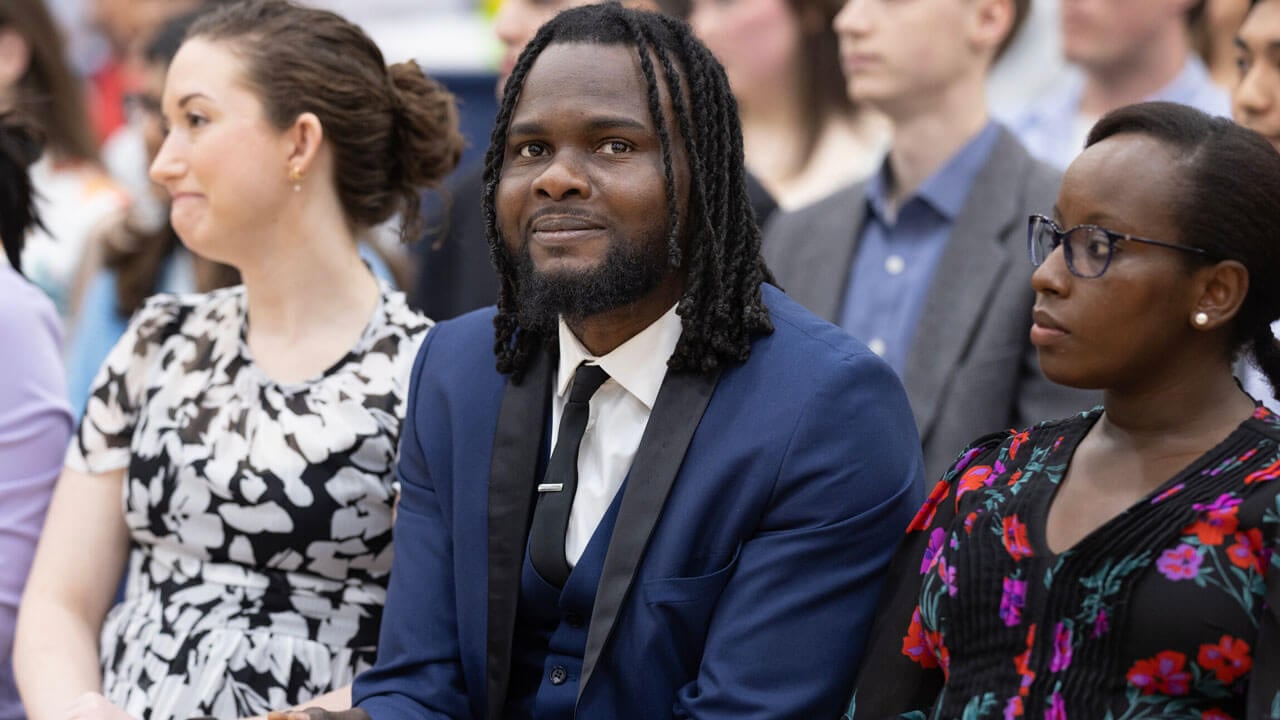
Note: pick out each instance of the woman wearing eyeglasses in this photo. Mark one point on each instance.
(1121, 563)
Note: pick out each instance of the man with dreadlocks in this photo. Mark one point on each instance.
(647, 485)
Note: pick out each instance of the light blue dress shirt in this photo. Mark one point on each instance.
(1048, 129)
(898, 254)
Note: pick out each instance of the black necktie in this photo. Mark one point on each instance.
(555, 494)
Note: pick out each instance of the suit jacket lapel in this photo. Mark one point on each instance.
(676, 414)
(972, 263)
(824, 252)
(517, 447)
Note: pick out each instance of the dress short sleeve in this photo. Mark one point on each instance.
(118, 393)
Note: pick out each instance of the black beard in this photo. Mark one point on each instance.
(626, 274)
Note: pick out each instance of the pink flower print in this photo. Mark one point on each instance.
(1224, 503)
(933, 550)
(1012, 601)
(1061, 648)
(1180, 563)
(1168, 493)
(1013, 709)
(1057, 708)
(948, 575)
(1261, 413)
(1100, 624)
(1215, 714)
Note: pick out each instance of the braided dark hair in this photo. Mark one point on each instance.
(722, 309)
(1230, 206)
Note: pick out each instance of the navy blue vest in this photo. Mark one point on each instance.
(551, 632)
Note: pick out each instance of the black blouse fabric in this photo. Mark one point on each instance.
(1169, 610)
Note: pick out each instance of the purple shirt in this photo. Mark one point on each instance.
(35, 425)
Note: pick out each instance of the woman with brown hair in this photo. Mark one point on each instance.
(74, 193)
(251, 431)
(803, 137)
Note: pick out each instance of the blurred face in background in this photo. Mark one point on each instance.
(1106, 33)
(517, 21)
(895, 52)
(1255, 102)
(757, 42)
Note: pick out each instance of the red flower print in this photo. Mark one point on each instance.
(1017, 443)
(1270, 472)
(1015, 538)
(1165, 674)
(1021, 663)
(1215, 714)
(916, 646)
(978, 476)
(1015, 477)
(1229, 659)
(1247, 551)
(924, 517)
(1214, 526)
(1013, 708)
(1261, 413)
(968, 522)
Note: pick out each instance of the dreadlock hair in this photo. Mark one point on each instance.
(19, 148)
(721, 310)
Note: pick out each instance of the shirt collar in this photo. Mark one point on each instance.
(634, 364)
(1188, 85)
(946, 190)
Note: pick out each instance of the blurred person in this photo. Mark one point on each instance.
(74, 194)
(1120, 562)
(251, 431)
(1256, 105)
(1213, 36)
(35, 422)
(706, 538)
(1125, 51)
(139, 260)
(803, 136)
(455, 274)
(924, 261)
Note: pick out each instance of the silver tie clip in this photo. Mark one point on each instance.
(550, 487)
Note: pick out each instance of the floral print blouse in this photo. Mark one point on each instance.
(1169, 610)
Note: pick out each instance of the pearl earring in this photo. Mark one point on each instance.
(295, 177)
(1200, 319)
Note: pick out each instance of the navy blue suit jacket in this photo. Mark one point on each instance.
(759, 515)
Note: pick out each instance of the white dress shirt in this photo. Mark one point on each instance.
(619, 409)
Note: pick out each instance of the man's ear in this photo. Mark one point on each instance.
(1220, 290)
(989, 22)
(15, 57)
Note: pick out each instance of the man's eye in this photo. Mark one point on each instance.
(615, 147)
(531, 150)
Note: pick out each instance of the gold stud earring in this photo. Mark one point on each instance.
(295, 177)
(1200, 319)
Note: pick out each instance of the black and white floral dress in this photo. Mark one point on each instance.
(259, 512)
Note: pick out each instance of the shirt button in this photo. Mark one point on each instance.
(559, 675)
(894, 265)
(877, 346)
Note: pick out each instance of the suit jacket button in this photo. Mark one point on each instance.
(559, 675)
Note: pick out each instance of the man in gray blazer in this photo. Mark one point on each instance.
(927, 261)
